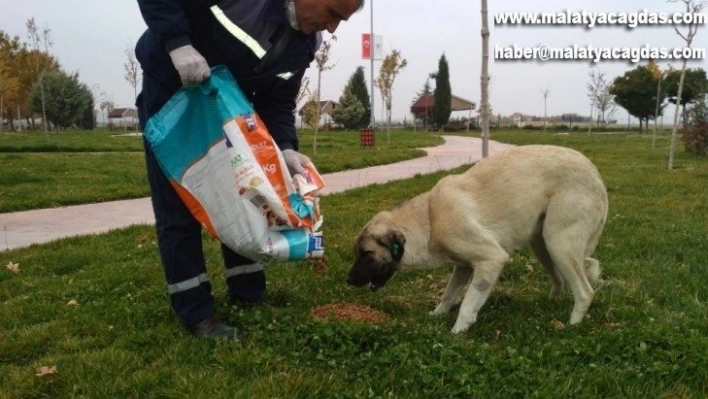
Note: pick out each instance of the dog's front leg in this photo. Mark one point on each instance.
(460, 275)
(485, 276)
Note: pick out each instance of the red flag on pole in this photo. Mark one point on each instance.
(366, 46)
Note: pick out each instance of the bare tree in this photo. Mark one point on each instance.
(484, 81)
(99, 96)
(38, 39)
(695, 7)
(132, 70)
(322, 62)
(545, 93)
(658, 103)
(600, 97)
(304, 90)
(303, 93)
(108, 106)
(390, 68)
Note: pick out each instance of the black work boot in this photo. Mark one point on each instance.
(242, 303)
(213, 328)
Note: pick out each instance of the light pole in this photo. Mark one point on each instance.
(371, 46)
(545, 102)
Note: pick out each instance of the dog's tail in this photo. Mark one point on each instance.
(592, 270)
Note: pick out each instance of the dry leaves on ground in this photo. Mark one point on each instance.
(44, 371)
(558, 325)
(13, 267)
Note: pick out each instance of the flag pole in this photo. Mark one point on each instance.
(371, 47)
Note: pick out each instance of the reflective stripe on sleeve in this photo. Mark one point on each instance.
(243, 37)
(237, 32)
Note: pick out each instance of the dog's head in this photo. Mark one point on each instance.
(377, 255)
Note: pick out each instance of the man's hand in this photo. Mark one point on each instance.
(295, 161)
(192, 67)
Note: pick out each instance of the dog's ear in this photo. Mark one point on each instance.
(396, 243)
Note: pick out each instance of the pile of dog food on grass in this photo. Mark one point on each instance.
(347, 311)
(320, 265)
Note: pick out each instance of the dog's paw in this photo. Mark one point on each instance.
(459, 328)
(435, 313)
(463, 322)
(440, 310)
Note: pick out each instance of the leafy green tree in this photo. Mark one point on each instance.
(695, 133)
(65, 98)
(8, 89)
(22, 64)
(695, 84)
(88, 116)
(442, 107)
(636, 92)
(357, 84)
(349, 111)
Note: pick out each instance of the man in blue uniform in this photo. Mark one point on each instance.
(266, 45)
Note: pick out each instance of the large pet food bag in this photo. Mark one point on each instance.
(229, 172)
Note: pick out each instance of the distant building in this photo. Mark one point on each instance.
(326, 108)
(123, 117)
(424, 104)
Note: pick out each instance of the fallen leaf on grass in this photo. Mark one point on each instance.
(44, 370)
(558, 325)
(613, 326)
(72, 302)
(13, 267)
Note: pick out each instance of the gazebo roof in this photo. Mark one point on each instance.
(426, 102)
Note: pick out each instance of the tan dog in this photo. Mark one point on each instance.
(552, 198)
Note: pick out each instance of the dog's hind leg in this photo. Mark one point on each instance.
(592, 266)
(459, 278)
(566, 249)
(539, 248)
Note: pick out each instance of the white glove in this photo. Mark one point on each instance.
(192, 67)
(295, 161)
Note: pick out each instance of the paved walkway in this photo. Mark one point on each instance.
(21, 229)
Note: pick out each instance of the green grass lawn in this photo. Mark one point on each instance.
(69, 168)
(645, 335)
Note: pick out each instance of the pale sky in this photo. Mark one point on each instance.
(90, 37)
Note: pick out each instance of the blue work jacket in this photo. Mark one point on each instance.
(234, 33)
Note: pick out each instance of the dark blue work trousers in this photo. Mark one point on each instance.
(179, 237)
